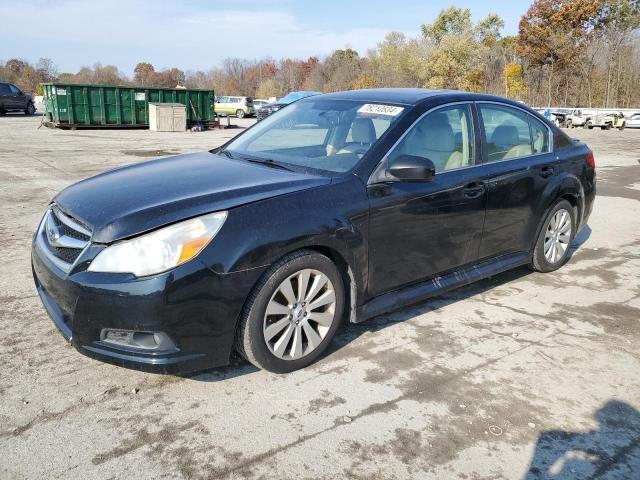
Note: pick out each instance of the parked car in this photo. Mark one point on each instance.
(12, 99)
(607, 121)
(559, 116)
(577, 119)
(340, 207)
(259, 103)
(634, 121)
(238, 106)
(283, 102)
(616, 120)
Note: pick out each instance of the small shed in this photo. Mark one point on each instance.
(167, 117)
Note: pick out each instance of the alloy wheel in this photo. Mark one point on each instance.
(299, 314)
(557, 236)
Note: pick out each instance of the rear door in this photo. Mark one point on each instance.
(223, 105)
(519, 164)
(418, 230)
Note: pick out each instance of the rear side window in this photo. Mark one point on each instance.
(507, 133)
(4, 89)
(539, 136)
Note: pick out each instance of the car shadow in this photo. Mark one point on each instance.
(350, 332)
(611, 450)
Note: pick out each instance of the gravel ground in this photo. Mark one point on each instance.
(523, 375)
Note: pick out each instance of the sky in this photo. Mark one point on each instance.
(199, 34)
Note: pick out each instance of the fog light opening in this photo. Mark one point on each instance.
(136, 339)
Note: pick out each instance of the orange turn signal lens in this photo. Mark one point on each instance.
(192, 248)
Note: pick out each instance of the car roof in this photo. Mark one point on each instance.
(412, 96)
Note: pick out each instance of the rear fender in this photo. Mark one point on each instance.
(563, 185)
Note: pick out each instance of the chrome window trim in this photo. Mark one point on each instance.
(375, 173)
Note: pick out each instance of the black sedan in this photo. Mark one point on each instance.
(335, 209)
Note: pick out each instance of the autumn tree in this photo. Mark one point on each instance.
(143, 74)
(554, 34)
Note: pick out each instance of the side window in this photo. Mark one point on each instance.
(506, 132)
(4, 89)
(444, 136)
(14, 89)
(539, 136)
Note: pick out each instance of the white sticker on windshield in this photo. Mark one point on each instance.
(380, 109)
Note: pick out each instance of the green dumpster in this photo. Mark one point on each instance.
(108, 106)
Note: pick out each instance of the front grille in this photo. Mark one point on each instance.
(67, 255)
(63, 238)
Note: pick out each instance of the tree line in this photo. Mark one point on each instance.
(566, 53)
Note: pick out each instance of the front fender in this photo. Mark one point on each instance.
(332, 217)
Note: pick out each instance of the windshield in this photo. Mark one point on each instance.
(329, 135)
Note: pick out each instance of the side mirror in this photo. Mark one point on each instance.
(411, 168)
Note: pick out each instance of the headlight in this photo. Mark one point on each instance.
(161, 250)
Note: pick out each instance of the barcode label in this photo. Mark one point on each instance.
(380, 109)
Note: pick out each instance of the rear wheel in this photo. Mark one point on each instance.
(30, 110)
(588, 124)
(292, 314)
(240, 113)
(552, 246)
(569, 124)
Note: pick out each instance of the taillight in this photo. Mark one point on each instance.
(591, 161)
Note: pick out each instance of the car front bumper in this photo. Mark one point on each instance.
(195, 307)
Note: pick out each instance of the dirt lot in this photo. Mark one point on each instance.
(520, 373)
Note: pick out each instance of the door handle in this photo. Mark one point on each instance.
(473, 189)
(546, 172)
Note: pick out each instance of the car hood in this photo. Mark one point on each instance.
(131, 200)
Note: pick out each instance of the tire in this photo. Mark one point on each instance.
(621, 127)
(240, 113)
(588, 124)
(542, 259)
(30, 110)
(291, 320)
(569, 124)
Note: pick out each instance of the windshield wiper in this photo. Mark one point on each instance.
(268, 162)
(226, 153)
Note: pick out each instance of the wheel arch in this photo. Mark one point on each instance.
(565, 187)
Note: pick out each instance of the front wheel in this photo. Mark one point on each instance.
(569, 124)
(292, 313)
(588, 124)
(551, 250)
(240, 113)
(30, 110)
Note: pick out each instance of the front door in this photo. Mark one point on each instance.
(17, 99)
(420, 229)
